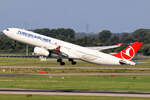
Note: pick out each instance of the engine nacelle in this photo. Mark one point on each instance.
(41, 51)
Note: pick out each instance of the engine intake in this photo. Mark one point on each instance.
(41, 51)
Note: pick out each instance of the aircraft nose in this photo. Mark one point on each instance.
(4, 31)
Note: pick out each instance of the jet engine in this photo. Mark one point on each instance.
(41, 51)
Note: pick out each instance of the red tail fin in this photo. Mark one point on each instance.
(129, 52)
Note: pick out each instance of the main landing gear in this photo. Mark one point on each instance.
(63, 63)
(72, 61)
(60, 61)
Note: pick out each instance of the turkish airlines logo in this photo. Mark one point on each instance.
(128, 53)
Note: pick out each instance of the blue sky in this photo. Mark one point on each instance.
(114, 15)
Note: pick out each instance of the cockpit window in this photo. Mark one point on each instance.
(7, 29)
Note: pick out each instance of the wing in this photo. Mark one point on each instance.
(105, 47)
(57, 50)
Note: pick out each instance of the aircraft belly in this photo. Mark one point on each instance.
(88, 57)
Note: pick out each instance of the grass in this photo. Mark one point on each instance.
(37, 97)
(70, 70)
(117, 83)
(104, 83)
(12, 54)
(4, 61)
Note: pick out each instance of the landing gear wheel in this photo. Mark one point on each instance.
(59, 60)
(73, 63)
(62, 63)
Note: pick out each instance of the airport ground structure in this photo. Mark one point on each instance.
(82, 81)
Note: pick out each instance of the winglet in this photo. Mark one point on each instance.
(129, 52)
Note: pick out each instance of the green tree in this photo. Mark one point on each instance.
(60, 33)
(145, 49)
(104, 36)
(113, 40)
(126, 38)
(142, 35)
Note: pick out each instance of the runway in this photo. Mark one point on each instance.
(72, 74)
(73, 92)
(82, 67)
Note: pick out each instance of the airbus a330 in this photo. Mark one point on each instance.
(45, 46)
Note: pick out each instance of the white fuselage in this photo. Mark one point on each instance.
(69, 49)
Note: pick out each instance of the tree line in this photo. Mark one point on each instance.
(105, 37)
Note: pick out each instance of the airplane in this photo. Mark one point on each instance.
(45, 46)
